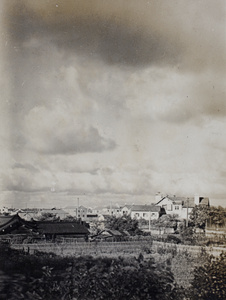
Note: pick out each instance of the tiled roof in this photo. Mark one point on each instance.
(6, 219)
(45, 226)
(61, 228)
(12, 222)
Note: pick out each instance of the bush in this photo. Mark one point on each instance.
(52, 277)
(173, 239)
(210, 279)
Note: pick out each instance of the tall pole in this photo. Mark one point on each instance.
(149, 221)
(110, 208)
(187, 215)
(77, 206)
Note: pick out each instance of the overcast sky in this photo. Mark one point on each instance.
(112, 101)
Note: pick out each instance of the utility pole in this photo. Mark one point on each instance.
(149, 221)
(187, 214)
(110, 208)
(77, 207)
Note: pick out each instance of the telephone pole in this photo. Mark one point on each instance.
(187, 214)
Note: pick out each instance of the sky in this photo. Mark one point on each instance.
(111, 101)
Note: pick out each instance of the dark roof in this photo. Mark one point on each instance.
(13, 222)
(146, 208)
(45, 227)
(7, 219)
(61, 228)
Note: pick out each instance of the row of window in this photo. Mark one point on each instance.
(144, 214)
(171, 207)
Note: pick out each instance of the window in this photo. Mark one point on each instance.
(177, 207)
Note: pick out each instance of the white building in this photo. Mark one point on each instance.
(146, 212)
(180, 206)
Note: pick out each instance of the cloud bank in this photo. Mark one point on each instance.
(113, 98)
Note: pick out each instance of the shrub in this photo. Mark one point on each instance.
(173, 239)
(52, 277)
(210, 279)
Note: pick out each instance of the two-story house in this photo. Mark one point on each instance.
(180, 206)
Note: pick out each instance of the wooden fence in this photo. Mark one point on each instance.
(111, 248)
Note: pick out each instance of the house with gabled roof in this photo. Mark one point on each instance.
(108, 235)
(69, 229)
(180, 206)
(146, 212)
(13, 225)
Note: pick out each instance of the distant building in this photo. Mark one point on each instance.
(56, 212)
(82, 212)
(181, 206)
(111, 210)
(15, 225)
(146, 212)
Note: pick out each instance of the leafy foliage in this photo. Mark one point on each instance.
(200, 215)
(52, 277)
(169, 221)
(217, 216)
(210, 279)
(70, 218)
(123, 223)
(46, 216)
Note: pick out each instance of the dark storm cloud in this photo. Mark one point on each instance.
(127, 32)
(97, 33)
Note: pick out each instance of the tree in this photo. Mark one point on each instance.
(217, 216)
(199, 216)
(210, 280)
(70, 219)
(48, 217)
(169, 221)
(123, 223)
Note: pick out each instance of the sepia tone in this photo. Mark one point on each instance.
(112, 109)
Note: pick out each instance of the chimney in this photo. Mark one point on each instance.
(197, 199)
